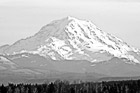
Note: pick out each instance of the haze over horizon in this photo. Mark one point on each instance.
(23, 18)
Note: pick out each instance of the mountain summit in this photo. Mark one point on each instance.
(74, 39)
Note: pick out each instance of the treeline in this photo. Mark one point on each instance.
(129, 86)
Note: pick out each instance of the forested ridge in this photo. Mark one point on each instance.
(127, 86)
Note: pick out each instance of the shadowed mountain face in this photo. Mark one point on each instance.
(72, 49)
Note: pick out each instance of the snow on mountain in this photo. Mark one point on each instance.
(84, 39)
(74, 39)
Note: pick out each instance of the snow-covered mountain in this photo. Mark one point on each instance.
(73, 39)
(69, 48)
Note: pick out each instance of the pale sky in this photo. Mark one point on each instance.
(22, 18)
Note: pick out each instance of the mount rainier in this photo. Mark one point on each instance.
(71, 45)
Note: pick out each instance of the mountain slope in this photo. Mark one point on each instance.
(3, 48)
(117, 68)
